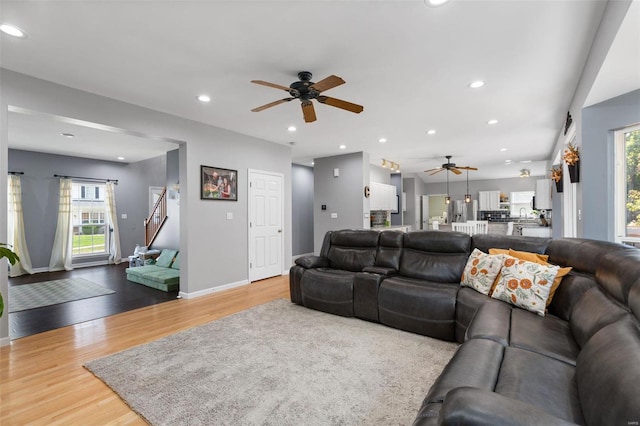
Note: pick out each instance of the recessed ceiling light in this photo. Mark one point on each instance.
(313, 163)
(12, 30)
(476, 84)
(342, 147)
(492, 121)
(291, 128)
(67, 135)
(120, 158)
(507, 161)
(431, 132)
(204, 98)
(525, 161)
(503, 149)
(435, 2)
(382, 140)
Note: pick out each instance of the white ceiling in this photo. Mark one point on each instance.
(408, 64)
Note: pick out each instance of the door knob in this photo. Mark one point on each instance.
(279, 230)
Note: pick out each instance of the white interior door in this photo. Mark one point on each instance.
(265, 224)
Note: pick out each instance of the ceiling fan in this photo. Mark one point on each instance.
(450, 167)
(306, 90)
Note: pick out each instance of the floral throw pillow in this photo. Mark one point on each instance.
(481, 271)
(525, 284)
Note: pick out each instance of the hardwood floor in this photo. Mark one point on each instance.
(127, 296)
(42, 379)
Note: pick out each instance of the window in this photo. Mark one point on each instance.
(90, 227)
(627, 183)
(522, 204)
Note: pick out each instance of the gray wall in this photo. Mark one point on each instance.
(169, 235)
(302, 205)
(40, 196)
(203, 224)
(597, 161)
(343, 195)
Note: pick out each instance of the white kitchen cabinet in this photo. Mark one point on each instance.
(489, 200)
(382, 197)
(543, 194)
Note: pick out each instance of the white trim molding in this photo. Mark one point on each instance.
(206, 291)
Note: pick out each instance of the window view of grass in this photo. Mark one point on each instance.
(85, 244)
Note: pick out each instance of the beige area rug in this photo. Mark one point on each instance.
(278, 364)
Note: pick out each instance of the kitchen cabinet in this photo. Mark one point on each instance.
(539, 231)
(382, 197)
(489, 200)
(543, 194)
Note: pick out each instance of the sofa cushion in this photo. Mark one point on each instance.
(389, 249)
(176, 262)
(608, 375)
(419, 306)
(594, 311)
(582, 254)
(467, 303)
(617, 271)
(166, 258)
(481, 271)
(352, 250)
(567, 295)
(435, 256)
(155, 273)
(484, 242)
(328, 290)
(541, 381)
(476, 363)
(525, 284)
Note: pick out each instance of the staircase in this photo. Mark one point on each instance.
(156, 219)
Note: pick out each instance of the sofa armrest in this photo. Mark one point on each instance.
(381, 270)
(492, 321)
(473, 406)
(310, 262)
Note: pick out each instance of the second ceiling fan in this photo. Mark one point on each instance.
(306, 90)
(449, 166)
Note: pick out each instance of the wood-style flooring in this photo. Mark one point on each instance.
(127, 296)
(42, 379)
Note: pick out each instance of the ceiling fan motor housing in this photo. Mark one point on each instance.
(300, 89)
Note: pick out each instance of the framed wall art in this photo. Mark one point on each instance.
(218, 184)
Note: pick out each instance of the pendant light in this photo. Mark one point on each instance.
(447, 199)
(467, 196)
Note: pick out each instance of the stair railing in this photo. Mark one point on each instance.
(156, 219)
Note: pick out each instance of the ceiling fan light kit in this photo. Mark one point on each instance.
(306, 90)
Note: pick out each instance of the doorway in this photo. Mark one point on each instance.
(266, 211)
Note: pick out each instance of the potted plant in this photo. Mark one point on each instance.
(571, 156)
(556, 175)
(12, 258)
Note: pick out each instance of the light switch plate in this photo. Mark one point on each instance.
(123, 215)
(336, 172)
(229, 215)
(334, 215)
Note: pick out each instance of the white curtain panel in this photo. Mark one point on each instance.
(62, 251)
(114, 240)
(15, 232)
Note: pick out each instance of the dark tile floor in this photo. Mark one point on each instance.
(128, 296)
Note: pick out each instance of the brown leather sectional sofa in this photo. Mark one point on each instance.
(579, 364)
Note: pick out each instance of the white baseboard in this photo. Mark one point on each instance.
(211, 290)
(5, 341)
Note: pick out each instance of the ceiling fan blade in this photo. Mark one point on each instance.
(467, 168)
(456, 171)
(338, 103)
(269, 105)
(432, 170)
(327, 83)
(275, 86)
(437, 171)
(308, 111)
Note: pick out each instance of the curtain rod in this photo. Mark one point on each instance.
(16, 173)
(87, 178)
